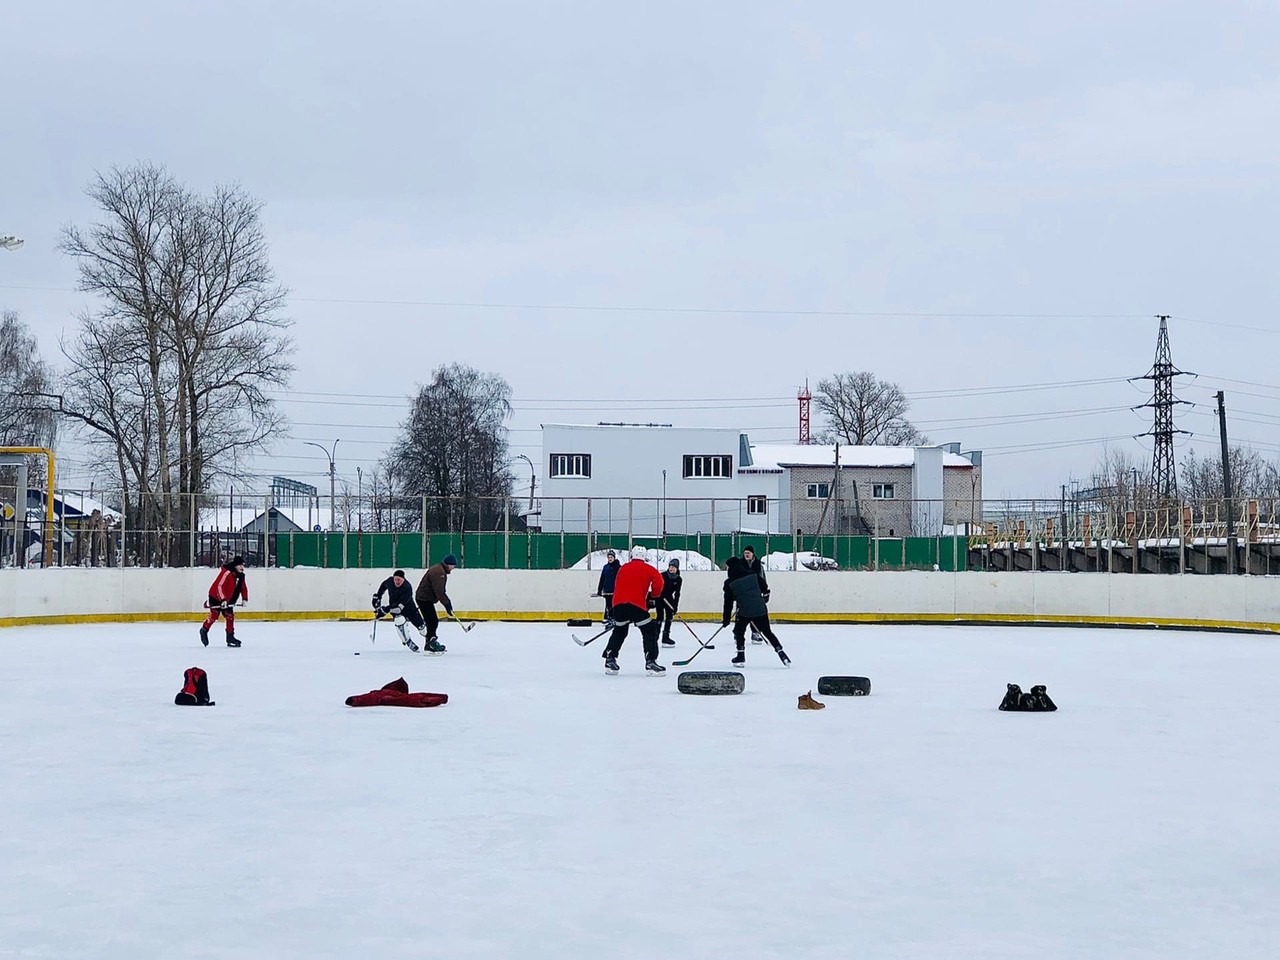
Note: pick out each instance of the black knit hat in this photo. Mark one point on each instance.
(673, 562)
(237, 561)
(399, 573)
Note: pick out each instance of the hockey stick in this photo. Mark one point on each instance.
(690, 629)
(373, 636)
(583, 643)
(701, 646)
(466, 627)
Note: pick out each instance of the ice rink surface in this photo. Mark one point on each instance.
(551, 811)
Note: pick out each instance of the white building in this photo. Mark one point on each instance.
(649, 480)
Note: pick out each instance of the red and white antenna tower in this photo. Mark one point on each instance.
(804, 396)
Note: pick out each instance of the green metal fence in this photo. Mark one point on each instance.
(556, 551)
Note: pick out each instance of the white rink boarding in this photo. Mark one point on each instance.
(68, 594)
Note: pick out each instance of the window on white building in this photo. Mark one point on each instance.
(714, 466)
(819, 491)
(882, 491)
(571, 465)
(758, 505)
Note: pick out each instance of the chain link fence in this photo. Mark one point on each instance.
(97, 528)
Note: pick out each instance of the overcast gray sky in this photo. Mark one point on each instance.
(989, 194)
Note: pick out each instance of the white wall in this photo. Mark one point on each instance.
(27, 595)
(627, 462)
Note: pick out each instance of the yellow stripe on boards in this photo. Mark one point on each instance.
(1023, 619)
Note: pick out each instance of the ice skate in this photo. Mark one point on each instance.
(782, 655)
(610, 666)
(668, 642)
(413, 647)
(739, 659)
(433, 647)
(806, 702)
(756, 638)
(232, 641)
(654, 669)
(204, 636)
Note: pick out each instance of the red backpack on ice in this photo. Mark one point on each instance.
(195, 689)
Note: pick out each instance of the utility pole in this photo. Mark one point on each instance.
(533, 477)
(1226, 483)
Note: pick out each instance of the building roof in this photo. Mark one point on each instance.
(774, 456)
(239, 517)
(71, 504)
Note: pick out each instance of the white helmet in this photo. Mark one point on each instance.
(639, 553)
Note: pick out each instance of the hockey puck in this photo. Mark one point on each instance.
(575, 622)
(357, 653)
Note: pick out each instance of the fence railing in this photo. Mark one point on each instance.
(93, 528)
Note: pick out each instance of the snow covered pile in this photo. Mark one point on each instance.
(692, 560)
(689, 559)
(803, 560)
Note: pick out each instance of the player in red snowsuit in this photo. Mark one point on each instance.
(228, 587)
(637, 588)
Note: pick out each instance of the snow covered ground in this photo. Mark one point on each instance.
(549, 811)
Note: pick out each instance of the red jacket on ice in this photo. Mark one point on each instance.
(229, 585)
(396, 694)
(637, 581)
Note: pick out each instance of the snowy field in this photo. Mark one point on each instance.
(550, 811)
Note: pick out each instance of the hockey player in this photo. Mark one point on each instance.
(227, 587)
(608, 576)
(637, 588)
(431, 590)
(749, 555)
(742, 587)
(400, 606)
(670, 602)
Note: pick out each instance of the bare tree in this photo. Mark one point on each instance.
(25, 419)
(862, 410)
(1120, 481)
(453, 448)
(172, 370)
(1251, 476)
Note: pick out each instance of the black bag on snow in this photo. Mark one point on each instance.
(1012, 698)
(1036, 701)
(1040, 696)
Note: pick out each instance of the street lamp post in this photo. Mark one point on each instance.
(332, 472)
(664, 509)
(532, 478)
(359, 500)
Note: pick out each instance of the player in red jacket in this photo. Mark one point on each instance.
(228, 587)
(636, 590)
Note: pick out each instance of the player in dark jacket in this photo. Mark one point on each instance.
(637, 589)
(742, 587)
(432, 590)
(749, 555)
(227, 587)
(670, 602)
(608, 577)
(400, 606)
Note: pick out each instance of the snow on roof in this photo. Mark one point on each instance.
(75, 500)
(239, 517)
(774, 456)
